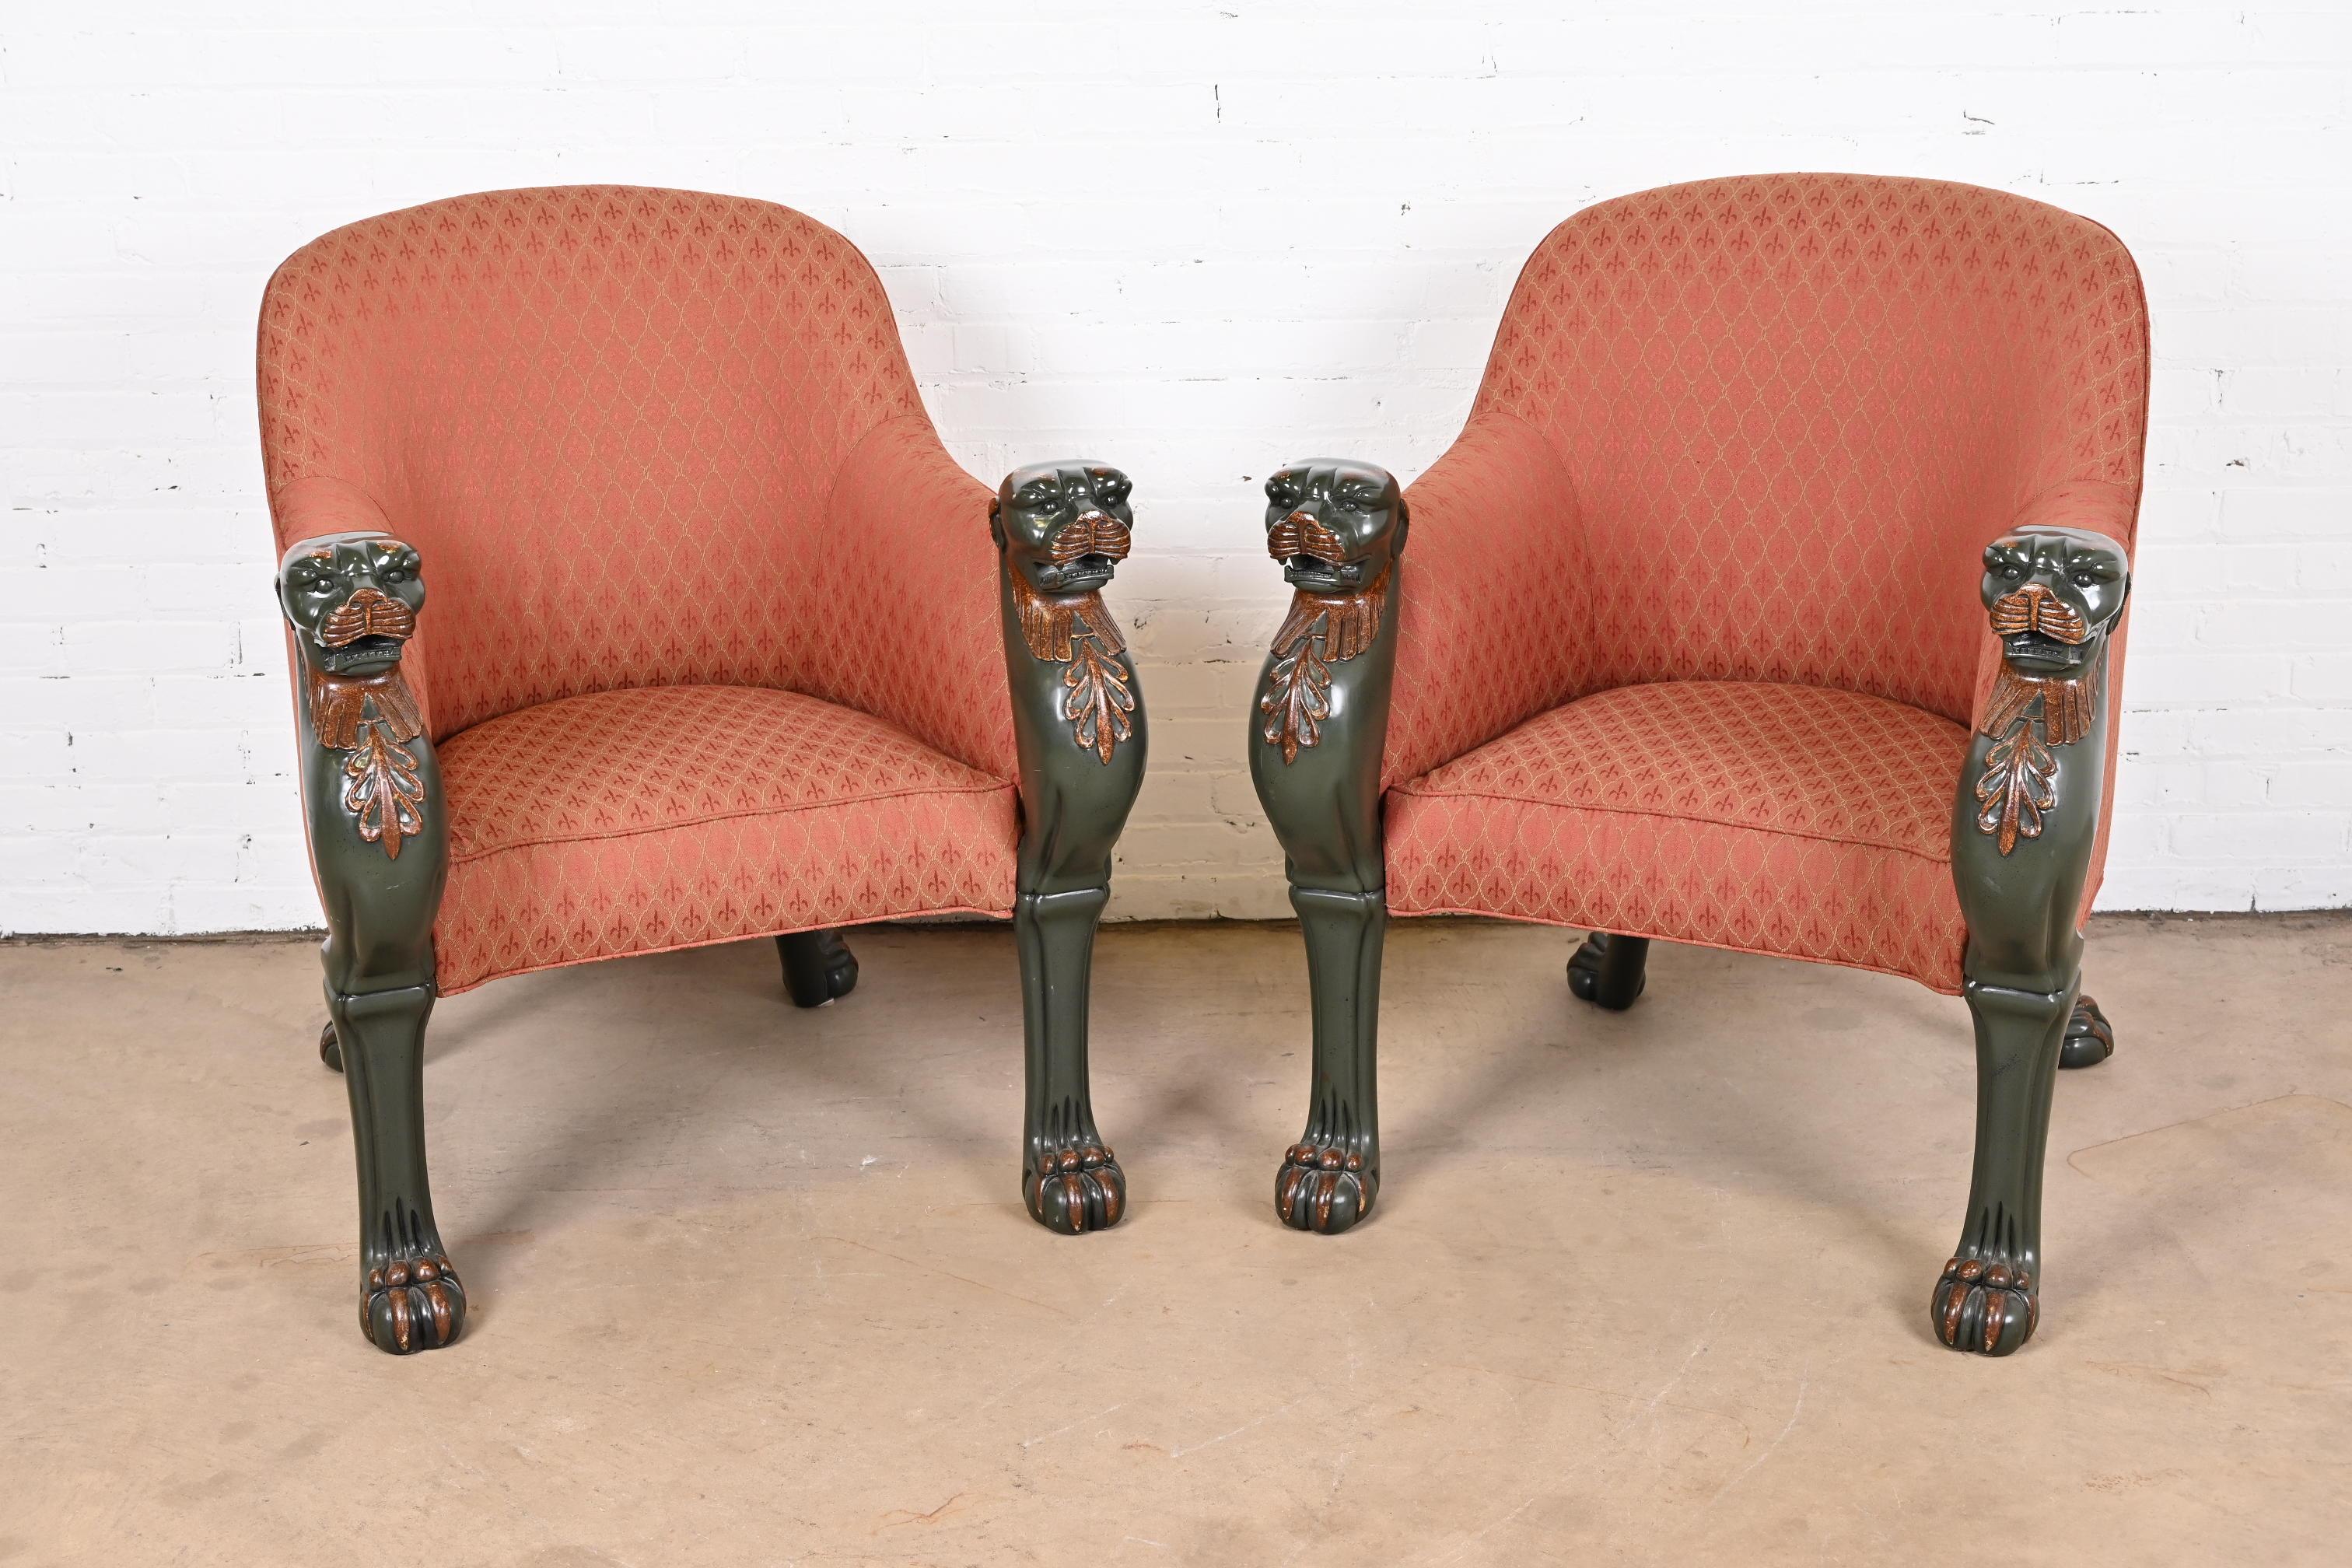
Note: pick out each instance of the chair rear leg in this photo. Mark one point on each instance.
(2090, 1039)
(1609, 970)
(818, 967)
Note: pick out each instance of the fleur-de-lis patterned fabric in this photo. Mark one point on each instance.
(1798, 820)
(1755, 430)
(649, 438)
(634, 821)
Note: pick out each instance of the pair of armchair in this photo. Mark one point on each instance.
(1684, 649)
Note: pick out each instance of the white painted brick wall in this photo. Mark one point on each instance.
(1197, 239)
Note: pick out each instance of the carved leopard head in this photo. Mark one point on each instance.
(352, 600)
(2053, 594)
(1065, 527)
(1336, 526)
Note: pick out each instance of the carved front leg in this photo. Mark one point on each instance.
(2022, 831)
(1061, 529)
(379, 845)
(1315, 737)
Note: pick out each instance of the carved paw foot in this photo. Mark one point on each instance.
(1985, 1305)
(2089, 1038)
(1076, 1190)
(412, 1304)
(1324, 1188)
(330, 1049)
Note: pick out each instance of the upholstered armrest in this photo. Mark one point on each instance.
(1492, 629)
(900, 599)
(312, 508)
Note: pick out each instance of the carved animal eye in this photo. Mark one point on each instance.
(2013, 570)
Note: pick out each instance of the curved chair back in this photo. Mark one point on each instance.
(610, 417)
(1796, 408)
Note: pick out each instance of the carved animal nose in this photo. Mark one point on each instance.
(1092, 532)
(1302, 534)
(2034, 608)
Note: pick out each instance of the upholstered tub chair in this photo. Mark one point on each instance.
(1770, 600)
(721, 645)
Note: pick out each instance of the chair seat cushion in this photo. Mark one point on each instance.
(670, 816)
(1793, 820)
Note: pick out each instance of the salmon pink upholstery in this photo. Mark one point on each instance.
(612, 421)
(1754, 431)
(1799, 820)
(668, 817)
(666, 467)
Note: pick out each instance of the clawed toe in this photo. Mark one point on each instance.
(1076, 1190)
(1324, 1189)
(412, 1304)
(1990, 1309)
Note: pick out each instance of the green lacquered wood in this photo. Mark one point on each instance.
(2022, 968)
(1609, 970)
(1074, 802)
(1322, 795)
(818, 967)
(2089, 1039)
(378, 955)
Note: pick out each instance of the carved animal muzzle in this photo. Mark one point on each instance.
(369, 613)
(2034, 608)
(1091, 533)
(1300, 534)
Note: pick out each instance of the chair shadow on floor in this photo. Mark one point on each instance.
(1721, 1146)
(729, 1044)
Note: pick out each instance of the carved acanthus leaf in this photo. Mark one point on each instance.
(1321, 630)
(383, 790)
(1297, 699)
(2027, 715)
(1076, 630)
(2019, 784)
(1097, 699)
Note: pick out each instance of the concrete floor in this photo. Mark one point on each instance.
(751, 1285)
